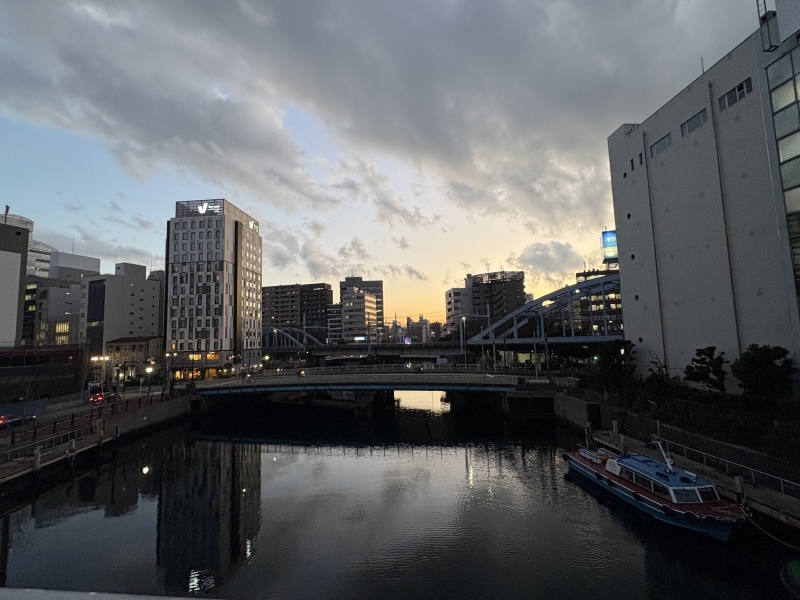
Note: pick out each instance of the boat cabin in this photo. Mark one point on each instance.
(676, 485)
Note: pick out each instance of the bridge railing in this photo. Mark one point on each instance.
(454, 378)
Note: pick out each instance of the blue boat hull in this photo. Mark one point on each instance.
(713, 528)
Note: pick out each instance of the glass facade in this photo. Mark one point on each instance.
(784, 84)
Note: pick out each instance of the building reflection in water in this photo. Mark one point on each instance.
(209, 512)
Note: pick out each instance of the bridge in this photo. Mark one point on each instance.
(574, 314)
(588, 312)
(359, 381)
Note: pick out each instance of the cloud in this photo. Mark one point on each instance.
(553, 262)
(89, 242)
(402, 243)
(501, 108)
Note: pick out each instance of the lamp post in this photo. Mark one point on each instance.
(149, 371)
(169, 356)
(464, 340)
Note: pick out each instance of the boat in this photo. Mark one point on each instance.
(659, 489)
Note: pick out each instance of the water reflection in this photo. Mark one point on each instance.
(208, 512)
(435, 402)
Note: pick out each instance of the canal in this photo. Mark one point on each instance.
(425, 502)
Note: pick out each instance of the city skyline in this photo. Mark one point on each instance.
(356, 158)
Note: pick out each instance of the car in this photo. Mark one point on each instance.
(8, 421)
(98, 398)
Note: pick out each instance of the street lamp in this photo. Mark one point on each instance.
(170, 356)
(149, 371)
(464, 340)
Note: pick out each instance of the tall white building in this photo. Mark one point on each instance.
(707, 207)
(359, 316)
(213, 265)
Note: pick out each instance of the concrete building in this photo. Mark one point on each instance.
(123, 305)
(51, 314)
(301, 306)
(359, 316)
(500, 292)
(72, 267)
(458, 303)
(707, 206)
(419, 331)
(335, 323)
(38, 258)
(213, 265)
(374, 287)
(13, 266)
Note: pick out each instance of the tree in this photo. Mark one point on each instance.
(764, 372)
(615, 365)
(707, 369)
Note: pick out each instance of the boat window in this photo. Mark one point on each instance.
(685, 494)
(626, 474)
(708, 494)
(661, 490)
(642, 481)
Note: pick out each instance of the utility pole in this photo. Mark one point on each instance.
(494, 348)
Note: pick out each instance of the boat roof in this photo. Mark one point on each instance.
(657, 471)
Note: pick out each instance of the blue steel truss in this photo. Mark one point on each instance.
(574, 314)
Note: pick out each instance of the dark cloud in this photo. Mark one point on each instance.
(505, 105)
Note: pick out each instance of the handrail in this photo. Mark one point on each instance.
(752, 470)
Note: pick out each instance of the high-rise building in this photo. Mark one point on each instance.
(301, 306)
(119, 306)
(707, 206)
(51, 316)
(13, 263)
(335, 323)
(374, 287)
(501, 292)
(458, 303)
(359, 316)
(213, 266)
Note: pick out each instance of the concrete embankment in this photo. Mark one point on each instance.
(99, 429)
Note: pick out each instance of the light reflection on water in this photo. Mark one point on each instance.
(387, 520)
(422, 400)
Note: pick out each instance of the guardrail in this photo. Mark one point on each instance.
(76, 420)
(26, 450)
(366, 379)
(756, 477)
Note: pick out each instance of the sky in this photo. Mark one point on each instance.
(412, 141)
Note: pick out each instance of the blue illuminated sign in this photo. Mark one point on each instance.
(610, 252)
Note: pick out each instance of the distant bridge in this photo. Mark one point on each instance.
(461, 382)
(560, 315)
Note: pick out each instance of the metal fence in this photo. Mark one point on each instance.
(731, 468)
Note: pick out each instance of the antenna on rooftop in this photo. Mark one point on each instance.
(702, 67)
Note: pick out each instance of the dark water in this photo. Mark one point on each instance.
(414, 505)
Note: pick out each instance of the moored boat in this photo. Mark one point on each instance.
(659, 489)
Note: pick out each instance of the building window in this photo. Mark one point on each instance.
(783, 96)
(694, 123)
(736, 94)
(661, 145)
(787, 121)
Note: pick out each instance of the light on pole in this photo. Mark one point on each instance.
(149, 371)
(169, 356)
(464, 340)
